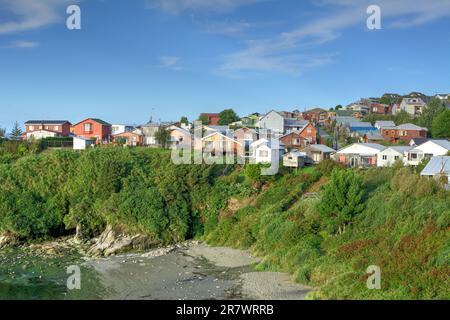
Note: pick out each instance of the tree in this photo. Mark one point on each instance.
(342, 200)
(184, 120)
(441, 125)
(338, 107)
(228, 116)
(162, 136)
(204, 120)
(2, 133)
(16, 133)
(430, 112)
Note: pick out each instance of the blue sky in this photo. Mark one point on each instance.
(168, 58)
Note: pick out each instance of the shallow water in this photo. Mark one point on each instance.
(26, 276)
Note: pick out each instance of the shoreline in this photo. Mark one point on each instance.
(192, 271)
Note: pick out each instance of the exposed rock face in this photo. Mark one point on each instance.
(7, 240)
(113, 241)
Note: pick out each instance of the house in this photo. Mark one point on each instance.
(267, 151)
(216, 144)
(429, 149)
(349, 113)
(272, 121)
(80, 143)
(359, 155)
(149, 131)
(293, 140)
(404, 132)
(391, 155)
(93, 128)
(180, 138)
(246, 137)
(443, 96)
(412, 106)
(39, 129)
(373, 136)
(316, 115)
(279, 125)
(358, 107)
(317, 153)
(294, 159)
(129, 138)
(120, 128)
(439, 168)
(383, 124)
(382, 109)
(213, 118)
(359, 129)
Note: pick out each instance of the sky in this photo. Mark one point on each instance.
(134, 60)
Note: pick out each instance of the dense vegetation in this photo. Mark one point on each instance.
(325, 225)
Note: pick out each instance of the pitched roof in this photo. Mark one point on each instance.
(321, 148)
(361, 125)
(400, 149)
(410, 126)
(46, 122)
(442, 143)
(436, 166)
(95, 120)
(383, 124)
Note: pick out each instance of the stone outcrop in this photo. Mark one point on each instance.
(114, 241)
(8, 240)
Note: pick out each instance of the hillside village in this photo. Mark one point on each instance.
(368, 133)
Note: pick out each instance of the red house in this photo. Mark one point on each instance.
(93, 128)
(404, 132)
(378, 108)
(59, 127)
(213, 118)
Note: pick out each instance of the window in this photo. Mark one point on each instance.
(396, 158)
(263, 153)
(31, 128)
(56, 128)
(385, 157)
(309, 131)
(87, 127)
(414, 156)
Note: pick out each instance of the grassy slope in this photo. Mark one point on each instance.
(404, 230)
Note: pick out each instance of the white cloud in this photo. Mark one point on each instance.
(22, 45)
(217, 6)
(169, 62)
(288, 51)
(30, 14)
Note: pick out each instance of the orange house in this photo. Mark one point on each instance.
(92, 128)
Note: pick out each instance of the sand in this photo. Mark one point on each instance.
(192, 272)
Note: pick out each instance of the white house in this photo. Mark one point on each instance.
(41, 134)
(412, 106)
(272, 121)
(438, 167)
(294, 159)
(429, 149)
(80, 143)
(267, 151)
(120, 128)
(389, 156)
(361, 155)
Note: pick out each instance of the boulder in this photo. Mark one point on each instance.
(8, 240)
(114, 241)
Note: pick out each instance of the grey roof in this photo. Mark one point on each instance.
(419, 141)
(47, 122)
(374, 135)
(410, 126)
(436, 166)
(443, 143)
(295, 123)
(400, 149)
(345, 120)
(383, 124)
(321, 148)
(361, 125)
